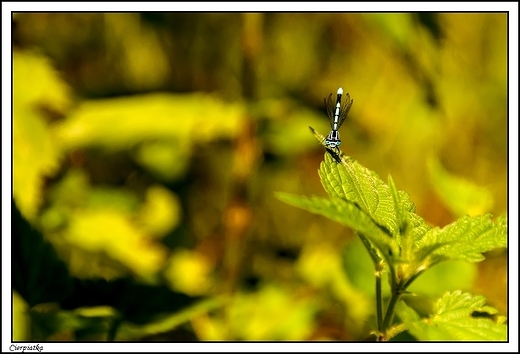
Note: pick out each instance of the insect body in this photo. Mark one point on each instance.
(337, 114)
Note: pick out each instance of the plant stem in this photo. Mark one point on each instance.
(409, 281)
(395, 330)
(379, 299)
(390, 311)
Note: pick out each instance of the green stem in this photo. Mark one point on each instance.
(395, 330)
(390, 311)
(379, 299)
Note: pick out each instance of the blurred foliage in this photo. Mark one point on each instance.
(460, 195)
(36, 87)
(148, 146)
(258, 316)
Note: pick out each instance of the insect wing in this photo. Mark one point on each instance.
(330, 109)
(345, 108)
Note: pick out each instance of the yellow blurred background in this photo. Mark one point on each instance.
(150, 145)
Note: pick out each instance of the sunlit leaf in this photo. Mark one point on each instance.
(36, 88)
(401, 211)
(467, 238)
(351, 181)
(345, 213)
(452, 320)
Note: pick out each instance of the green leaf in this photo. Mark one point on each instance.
(453, 319)
(466, 239)
(419, 227)
(346, 213)
(400, 207)
(355, 183)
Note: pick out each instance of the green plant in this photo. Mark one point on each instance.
(403, 246)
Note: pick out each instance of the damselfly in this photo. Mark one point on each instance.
(337, 114)
(336, 154)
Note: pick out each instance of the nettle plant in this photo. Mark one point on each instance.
(400, 243)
